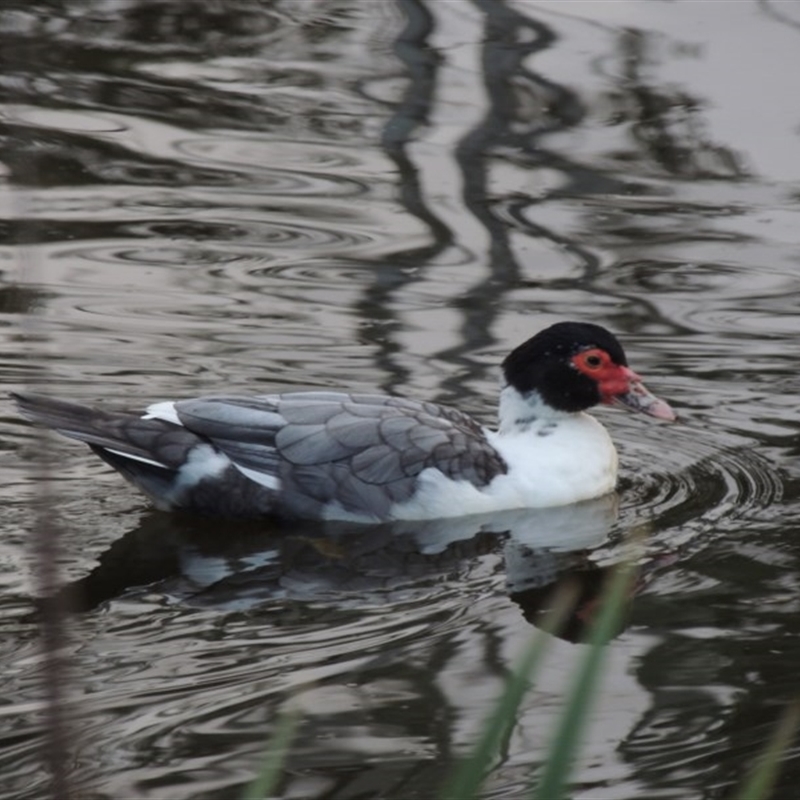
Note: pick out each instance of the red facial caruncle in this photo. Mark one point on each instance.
(618, 384)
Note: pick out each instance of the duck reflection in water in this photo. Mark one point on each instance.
(235, 565)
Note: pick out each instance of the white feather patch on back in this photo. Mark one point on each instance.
(203, 462)
(164, 410)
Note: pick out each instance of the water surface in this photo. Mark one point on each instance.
(390, 195)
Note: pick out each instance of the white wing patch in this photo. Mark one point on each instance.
(164, 410)
(132, 457)
(265, 479)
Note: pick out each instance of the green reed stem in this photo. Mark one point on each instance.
(569, 733)
(760, 781)
(267, 779)
(466, 781)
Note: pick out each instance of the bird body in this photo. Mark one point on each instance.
(370, 457)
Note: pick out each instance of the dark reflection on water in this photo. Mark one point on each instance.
(240, 566)
(389, 195)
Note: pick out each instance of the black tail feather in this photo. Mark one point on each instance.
(154, 440)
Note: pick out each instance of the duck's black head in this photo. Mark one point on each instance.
(573, 366)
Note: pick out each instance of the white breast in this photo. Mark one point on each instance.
(553, 464)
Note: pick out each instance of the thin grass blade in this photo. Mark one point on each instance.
(468, 777)
(760, 782)
(266, 781)
(558, 765)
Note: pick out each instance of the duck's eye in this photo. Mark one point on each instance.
(591, 361)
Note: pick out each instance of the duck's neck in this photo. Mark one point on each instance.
(519, 412)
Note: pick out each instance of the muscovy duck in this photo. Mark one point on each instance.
(370, 457)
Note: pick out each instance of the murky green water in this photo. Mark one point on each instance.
(248, 196)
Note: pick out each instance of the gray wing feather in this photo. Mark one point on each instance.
(378, 465)
(396, 429)
(310, 444)
(426, 438)
(355, 494)
(355, 433)
(254, 419)
(309, 412)
(321, 484)
(370, 411)
(412, 460)
(314, 398)
(249, 455)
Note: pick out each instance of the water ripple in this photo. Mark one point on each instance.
(301, 168)
(698, 484)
